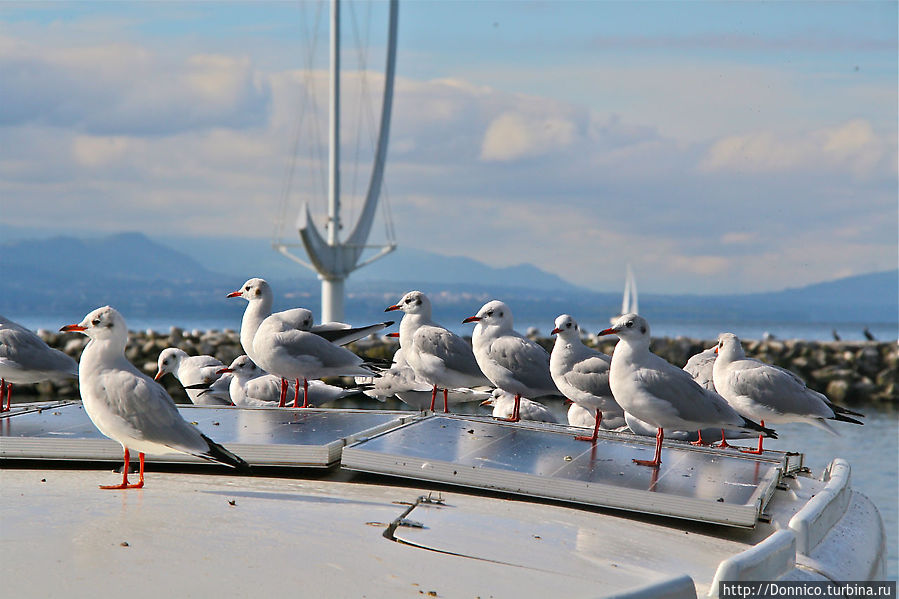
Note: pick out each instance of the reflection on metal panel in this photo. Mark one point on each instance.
(544, 460)
(261, 436)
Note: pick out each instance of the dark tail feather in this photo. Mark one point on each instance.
(768, 432)
(843, 418)
(219, 454)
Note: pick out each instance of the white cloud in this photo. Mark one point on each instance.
(852, 146)
(511, 136)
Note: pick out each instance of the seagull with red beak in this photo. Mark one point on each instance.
(128, 406)
(436, 355)
(581, 373)
(660, 393)
(192, 371)
(510, 360)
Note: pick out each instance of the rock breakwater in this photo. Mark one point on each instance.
(848, 373)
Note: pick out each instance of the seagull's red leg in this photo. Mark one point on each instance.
(283, 399)
(140, 482)
(445, 401)
(759, 450)
(595, 430)
(515, 411)
(124, 485)
(723, 443)
(433, 397)
(305, 393)
(657, 460)
(699, 441)
(8, 397)
(296, 393)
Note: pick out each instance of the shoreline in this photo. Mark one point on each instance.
(847, 372)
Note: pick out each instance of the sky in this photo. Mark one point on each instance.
(717, 147)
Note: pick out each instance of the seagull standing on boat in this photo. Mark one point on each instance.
(258, 294)
(659, 392)
(580, 372)
(437, 356)
(768, 393)
(26, 359)
(190, 372)
(289, 353)
(130, 407)
(511, 361)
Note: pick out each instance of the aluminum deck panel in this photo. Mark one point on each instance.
(702, 484)
(261, 436)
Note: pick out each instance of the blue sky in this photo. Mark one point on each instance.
(716, 146)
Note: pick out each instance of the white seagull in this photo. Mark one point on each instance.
(505, 404)
(511, 361)
(258, 294)
(438, 357)
(26, 359)
(581, 373)
(659, 392)
(768, 393)
(192, 371)
(289, 353)
(130, 407)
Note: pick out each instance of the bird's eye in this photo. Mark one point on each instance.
(500, 314)
(629, 324)
(95, 321)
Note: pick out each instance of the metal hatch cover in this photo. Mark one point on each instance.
(261, 436)
(706, 485)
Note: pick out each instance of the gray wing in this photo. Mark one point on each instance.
(451, 349)
(689, 401)
(309, 346)
(528, 361)
(591, 375)
(21, 348)
(776, 388)
(145, 407)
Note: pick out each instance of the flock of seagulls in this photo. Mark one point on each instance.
(719, 389)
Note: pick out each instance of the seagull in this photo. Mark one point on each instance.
(581, 373)
(190, 372)
(766, 392)
(258, 294)
(511, 361)
(26, 359)
(437, 356)
(289, 353)
(252, 386)
(659, 392)
(130, 407)
(505, 405)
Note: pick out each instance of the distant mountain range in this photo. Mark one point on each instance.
(67, 275)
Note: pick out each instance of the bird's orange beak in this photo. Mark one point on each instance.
(393, 335)
(72, 328)
(223, 370)
(555, 330)
(391, 308)
(716, 349)
(486, 402)
(159, 375)
(471, 319)
(609, 331)
(234, 294)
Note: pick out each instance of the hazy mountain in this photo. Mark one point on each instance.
(67, 275)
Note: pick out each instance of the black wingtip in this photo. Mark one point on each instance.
(768, 432)
(841, 410)
(388, 323)
(843, 418)
(219, 454)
